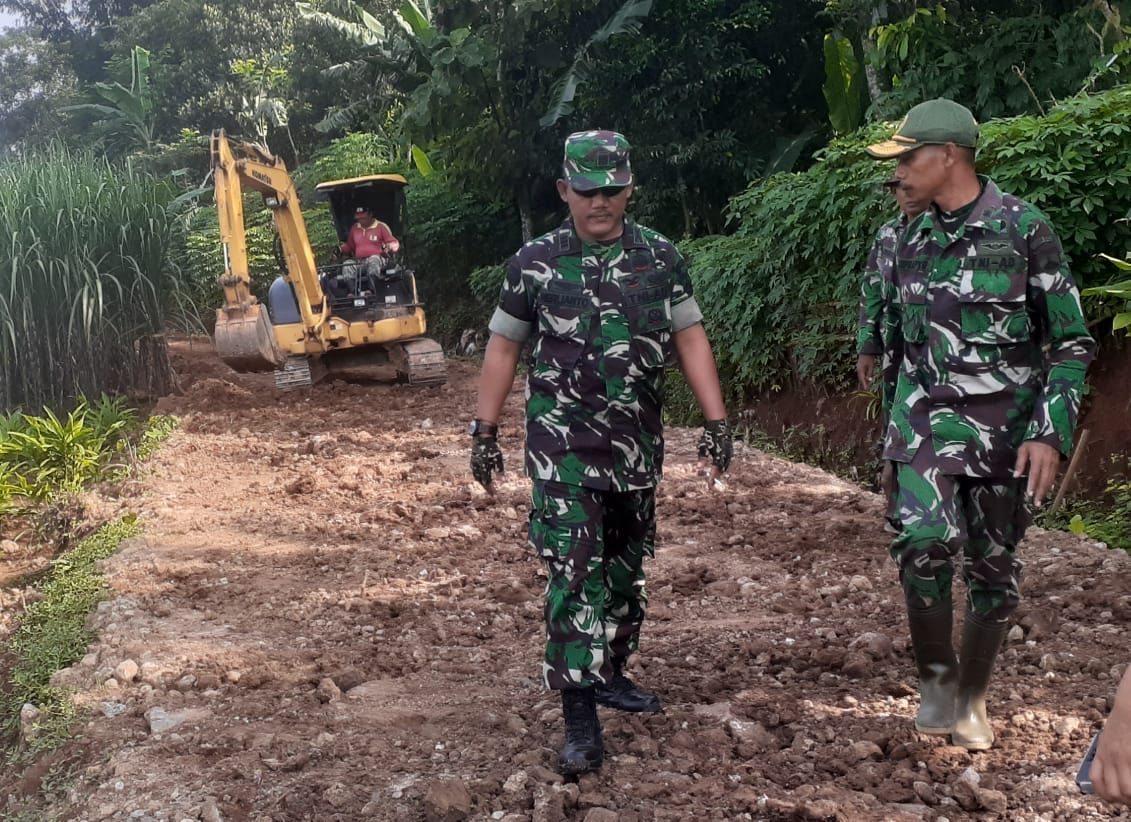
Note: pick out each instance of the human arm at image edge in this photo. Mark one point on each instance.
(1111, 769)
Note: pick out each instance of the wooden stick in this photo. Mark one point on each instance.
(1072, 464)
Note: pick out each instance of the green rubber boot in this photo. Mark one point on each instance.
(937, 665)
(981, 641)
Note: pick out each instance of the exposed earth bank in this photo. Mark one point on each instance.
(327, 620)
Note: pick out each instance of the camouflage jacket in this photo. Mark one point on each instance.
(873, 288)
(876, 334)
(994, 347)
(600, 321)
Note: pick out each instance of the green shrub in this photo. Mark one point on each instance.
(50, 454)
(45, 456)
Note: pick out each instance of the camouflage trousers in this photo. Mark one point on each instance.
(594, 544)
(948, 519)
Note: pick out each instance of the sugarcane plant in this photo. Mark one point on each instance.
(84, 274)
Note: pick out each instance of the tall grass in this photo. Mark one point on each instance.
(84, 272)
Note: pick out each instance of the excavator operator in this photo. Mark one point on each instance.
(369, 243)
(369, 237)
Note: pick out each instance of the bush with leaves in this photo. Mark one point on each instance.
(452, 233)
(779, 295)
(41, 456)
(999, 57)
(1120, 292)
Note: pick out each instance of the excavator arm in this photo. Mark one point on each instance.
(245, 337)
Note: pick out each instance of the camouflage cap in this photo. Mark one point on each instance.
(596, 158)
(935, 122)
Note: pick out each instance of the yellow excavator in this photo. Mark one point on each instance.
(358, 320)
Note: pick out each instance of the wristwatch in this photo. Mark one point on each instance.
(479, 428)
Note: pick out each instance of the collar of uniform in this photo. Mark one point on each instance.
(567, 242)
(985, 213)
(989, 208)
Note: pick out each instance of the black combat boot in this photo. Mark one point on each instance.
(981, 640)
(583, 750)
(621, 694)
(937, 665)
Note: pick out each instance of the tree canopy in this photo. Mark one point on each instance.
(716, 96)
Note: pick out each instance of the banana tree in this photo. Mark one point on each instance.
(125, 118)
(844, 84)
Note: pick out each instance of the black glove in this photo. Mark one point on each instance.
(486, 460)
(717, 443)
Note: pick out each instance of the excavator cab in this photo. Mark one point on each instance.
(385, 283)
(382, 194)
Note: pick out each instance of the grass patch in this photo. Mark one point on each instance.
(51, 634)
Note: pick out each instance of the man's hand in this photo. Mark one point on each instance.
(865, 370)
(716, 448)
(486, 461)
(1041, 462)
(1111, 769)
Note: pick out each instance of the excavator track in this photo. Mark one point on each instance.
(299, 372)
(420, 362)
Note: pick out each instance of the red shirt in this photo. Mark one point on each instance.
(369, 241)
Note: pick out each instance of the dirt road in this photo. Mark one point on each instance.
(327, 620)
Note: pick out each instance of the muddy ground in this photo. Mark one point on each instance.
(327, 620)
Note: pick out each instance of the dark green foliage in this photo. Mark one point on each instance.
(708, 94)
(43, 456)
(1073, 165)
(999, 58)
(452, 232)
(780, 294)
(193, 43)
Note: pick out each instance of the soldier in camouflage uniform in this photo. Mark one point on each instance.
(990, 373)
(876, 335)
(606, 306)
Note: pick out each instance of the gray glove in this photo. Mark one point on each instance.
(486, 460)
(717, 443)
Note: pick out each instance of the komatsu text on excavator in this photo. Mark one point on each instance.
(359, 320)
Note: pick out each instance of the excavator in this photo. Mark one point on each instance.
(359, 321)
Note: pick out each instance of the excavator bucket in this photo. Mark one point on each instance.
(245, 339)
